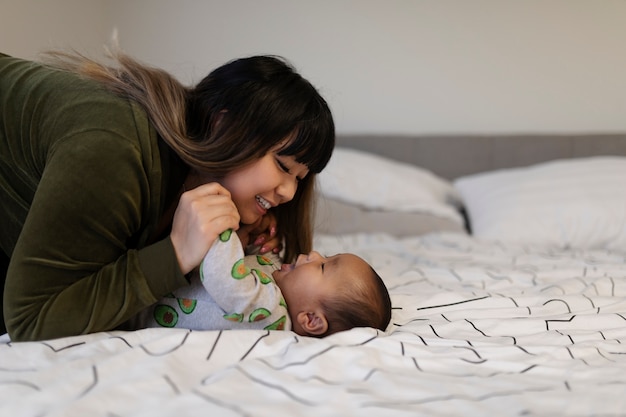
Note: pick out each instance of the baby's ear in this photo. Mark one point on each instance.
(313, 323)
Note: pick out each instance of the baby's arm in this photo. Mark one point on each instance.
(243, 285)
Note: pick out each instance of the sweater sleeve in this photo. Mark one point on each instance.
(82, 183)
(72, 271)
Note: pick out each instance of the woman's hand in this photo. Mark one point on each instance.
(202, 214)
(262, 233)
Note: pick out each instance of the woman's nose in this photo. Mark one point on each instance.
(287, 189)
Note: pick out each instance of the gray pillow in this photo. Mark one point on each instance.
(337, 217)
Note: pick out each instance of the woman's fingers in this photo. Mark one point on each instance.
(202, 214)
(265, 235)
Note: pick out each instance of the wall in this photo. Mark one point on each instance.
(27, 27)
(412, 66)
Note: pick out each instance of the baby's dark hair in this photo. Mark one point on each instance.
(365, 305)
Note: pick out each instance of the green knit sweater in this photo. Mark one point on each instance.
(84, 181)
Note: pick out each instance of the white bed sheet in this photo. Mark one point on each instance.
(477, 329)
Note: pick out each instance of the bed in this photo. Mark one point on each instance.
(505, 260)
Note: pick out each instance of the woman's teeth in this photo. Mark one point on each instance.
(263, 202)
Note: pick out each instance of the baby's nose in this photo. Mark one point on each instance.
(314, 255)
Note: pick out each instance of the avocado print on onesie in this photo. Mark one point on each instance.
(238, 288)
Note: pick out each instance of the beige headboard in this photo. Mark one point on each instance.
(452, 156)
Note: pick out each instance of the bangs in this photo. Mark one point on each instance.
(312, 145)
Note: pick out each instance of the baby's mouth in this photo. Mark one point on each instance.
(284, 269)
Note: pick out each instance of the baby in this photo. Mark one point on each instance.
(315, 296)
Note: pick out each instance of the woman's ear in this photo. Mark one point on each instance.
(313, 323)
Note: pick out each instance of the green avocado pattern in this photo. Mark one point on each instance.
(225, 235)
(240, 270)
(187, 305)
(278, 324)
(165, 315)
(235, 317)
(259, 314)
(263, 277)
(264, 260)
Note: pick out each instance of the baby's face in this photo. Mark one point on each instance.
(314, 277)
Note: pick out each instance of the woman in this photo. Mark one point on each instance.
(115, 181)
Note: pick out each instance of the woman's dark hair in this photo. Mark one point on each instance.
(245, 108)
(249, 106)
(235, 115)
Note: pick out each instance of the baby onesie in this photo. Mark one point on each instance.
(228, 291)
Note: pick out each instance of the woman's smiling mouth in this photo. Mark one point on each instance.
(263, 202)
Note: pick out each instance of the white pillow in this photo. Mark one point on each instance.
(377, 183)
(575, 203)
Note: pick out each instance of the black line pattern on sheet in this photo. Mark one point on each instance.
(475, 362)
(453, 397)
(496, 277)
(471, 349)
(434, 331)
(550, 321)
(305, 361)
(122, 339)
(222, 404)
(217, 339)
(522, 349)
(254, 345)
(22, 383)
(94, 374)
(56, 350)
(604, 356)
(476, 328)
(453, 304)
(171, 383)
(167, 351)
(370, 373)
(551, 287)
(554, 300)
(531, 367)
(544, 331)
(279, 388)
(365, 342)
(591, 302)
(316, 378)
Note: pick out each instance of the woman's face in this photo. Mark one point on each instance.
(264, 183)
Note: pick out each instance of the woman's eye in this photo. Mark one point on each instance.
(282, 166)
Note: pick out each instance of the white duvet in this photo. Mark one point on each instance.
(477, 329)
